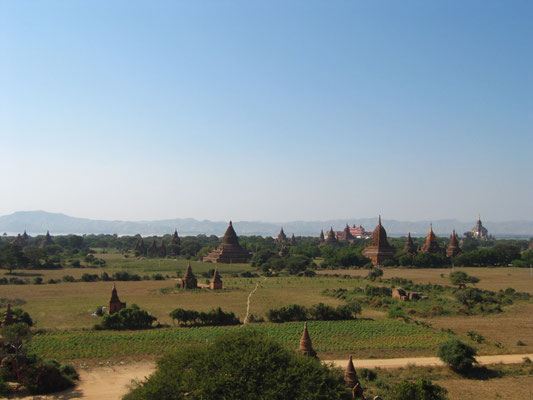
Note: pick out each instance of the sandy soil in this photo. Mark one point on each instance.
(111, 383)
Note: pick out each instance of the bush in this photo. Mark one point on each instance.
(458, 355)
(422, 389)
(240, 365)
(294, 312)
(215, 317)
(44, 378)
(68, 278)
(37, 280)
(128, 318)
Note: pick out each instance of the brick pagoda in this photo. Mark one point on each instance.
(409, 245)
(115, 305)
(282, 238)
(380, 249)
(230, 251)
(453, 248)
(431, 245)
(189, 281)
(306, 347)
(216, 282)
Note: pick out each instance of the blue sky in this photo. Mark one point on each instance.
(267, 110)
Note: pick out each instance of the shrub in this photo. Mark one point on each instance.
(37, 280)
(158, 277)
(294, 312)
(128, 318)
(68, 278)
(240, 365)
(422, 389)
(458, 355)
(44, 378)
(374, 274)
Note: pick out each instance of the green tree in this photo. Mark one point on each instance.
(422, 389)
(458, 355)
(461, 279)
(240, 365)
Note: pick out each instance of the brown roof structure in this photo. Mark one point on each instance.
(321, 237)
(409, 245)
(140, 246)
(282, 238)
(162, 250)
(230, 251)
(453, 248)
(379, 249)
(292, 240)
(189, 281)
(306, 346)
(153, 250)
(431, 245)
(8, 317)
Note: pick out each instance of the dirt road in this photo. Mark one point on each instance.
(111, 383)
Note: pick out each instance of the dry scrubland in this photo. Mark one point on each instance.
(64, 311)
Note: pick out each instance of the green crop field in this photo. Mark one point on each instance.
(332, 338)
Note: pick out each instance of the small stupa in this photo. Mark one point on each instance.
(8, 317)
(409, 245)
(115, 305)
(216, 281)
(306, 346)
(189, 281)
(47, 241)
(453, 248)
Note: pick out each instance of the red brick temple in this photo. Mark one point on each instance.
(230, 251)
(189, 281)
(115, 305)
(431, 245)
(409, 245)
(453, 248)
(380, 249)
(216, 282)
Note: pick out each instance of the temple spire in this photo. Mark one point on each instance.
(350, 375)
(306, 346)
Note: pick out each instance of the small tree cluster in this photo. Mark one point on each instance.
(318, 312)
(215, 317)
(132, 318)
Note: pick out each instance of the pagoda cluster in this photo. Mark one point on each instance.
(282, 239)
(380, 250)
(349, 234)
(157, 251)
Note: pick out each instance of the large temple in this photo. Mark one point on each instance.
(282, 238)
(379, 249)
(431, 245)
(331, 237)
(453, 248)
(346, 235)
(479, 231)
(230, 251)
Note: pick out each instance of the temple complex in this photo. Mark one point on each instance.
(230, 251)
(47, 241)
(431, 245)
(115, 305)
(189, 281)
(8, 317)
(140, 247)
(321, 237)
(306, 347)
(479, 231)
(282, 238)
(331, 237)
(216, 282)
(409, 245)
(379, 249)
(292, 240)
(453, 248)
(175, 239)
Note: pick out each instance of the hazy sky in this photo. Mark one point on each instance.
(267, 110)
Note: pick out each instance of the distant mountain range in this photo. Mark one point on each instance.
(38, 222)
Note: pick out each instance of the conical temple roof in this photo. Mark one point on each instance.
(188, 272)
(409, 245)
(347, 234)
(114, 294)
(350, 376)
(431, 245)
(230, 237)
(306, 346)
(321, 237)
(175, 239)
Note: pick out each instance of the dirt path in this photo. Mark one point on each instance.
(111, 383)
(429, 361)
